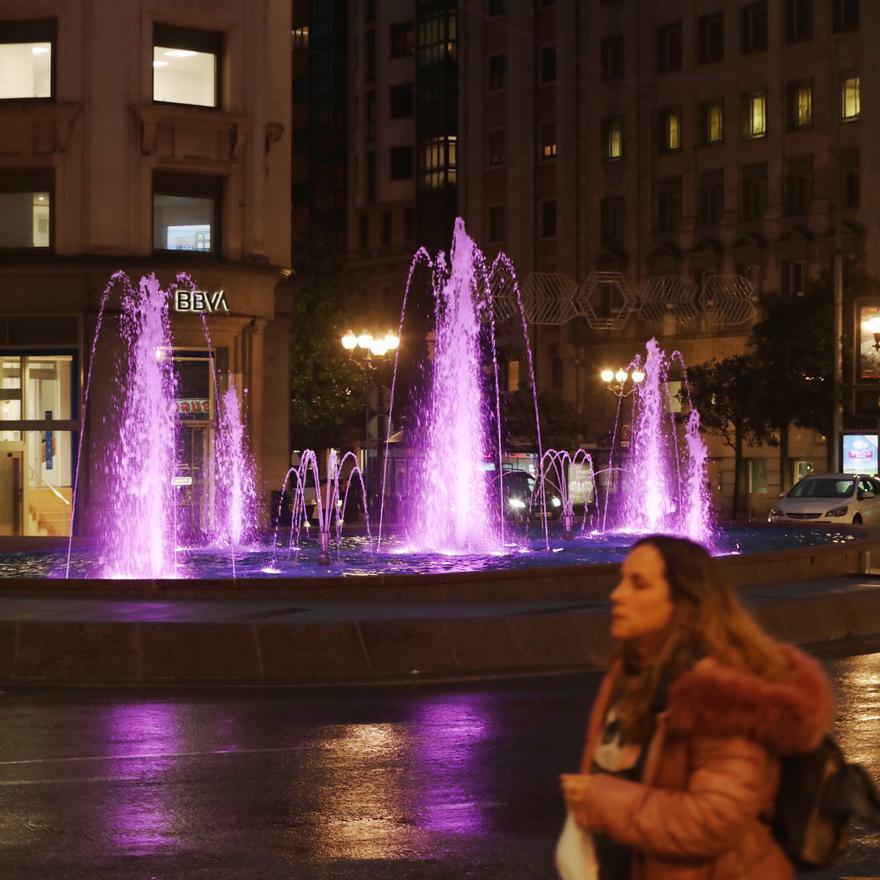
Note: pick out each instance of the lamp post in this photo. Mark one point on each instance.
(622, 382)
(372, 348)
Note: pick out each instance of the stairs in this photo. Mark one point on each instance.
(49, 514)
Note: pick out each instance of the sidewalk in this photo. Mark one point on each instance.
(50, 639)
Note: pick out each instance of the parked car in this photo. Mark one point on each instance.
(830, 498)
(522, 500)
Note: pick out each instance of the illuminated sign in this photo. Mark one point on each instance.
(860, 454)
(200, 301)
(193, 407)
(181, 481)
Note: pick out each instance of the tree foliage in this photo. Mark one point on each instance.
(559, 420)
(327, 384)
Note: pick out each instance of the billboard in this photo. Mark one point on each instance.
(859, 454)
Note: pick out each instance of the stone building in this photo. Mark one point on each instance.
(151, 136)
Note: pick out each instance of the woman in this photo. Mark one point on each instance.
(680, 768)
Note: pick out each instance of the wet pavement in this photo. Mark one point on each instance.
(439, 782)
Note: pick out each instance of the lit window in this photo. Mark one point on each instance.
(612, 139)
(26, 209)
(27, 60)
(756, 114)
(548, 140)
(437, 162)
(713, 122)
(185, 65)
(186, 210)
(300, 37)
(801, 105)
(851, 103)
(670, 130)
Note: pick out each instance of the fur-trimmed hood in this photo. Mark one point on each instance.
(785, 716)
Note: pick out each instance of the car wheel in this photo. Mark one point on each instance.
(857, 519)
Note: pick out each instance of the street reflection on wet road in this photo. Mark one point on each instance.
(455, 781)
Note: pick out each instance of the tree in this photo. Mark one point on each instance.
(327, 385)
(559, 420)
(726, 393)
(794, 357)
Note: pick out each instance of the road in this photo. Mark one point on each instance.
(436, 782)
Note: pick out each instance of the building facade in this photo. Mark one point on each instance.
(149, 136)
(661, 169)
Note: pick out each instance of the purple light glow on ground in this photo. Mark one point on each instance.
(138, 532)
(452, 502)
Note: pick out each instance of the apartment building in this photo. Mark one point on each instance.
(659, 169)
(151, 136)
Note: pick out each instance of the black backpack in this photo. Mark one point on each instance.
(819, 792)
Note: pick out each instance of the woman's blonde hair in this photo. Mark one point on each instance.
(707, 621)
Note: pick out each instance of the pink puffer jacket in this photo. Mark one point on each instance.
(711, 772)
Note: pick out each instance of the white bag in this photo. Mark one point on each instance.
(575, 857)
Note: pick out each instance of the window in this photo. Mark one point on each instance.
(370, 114)
(757, 471)
(438, 164)
(371, 177)
(300, 37)
(800, 104)
(611, 221)
(849, 178)
(437, 41)
(496, 222)
(711, 196)
(798, 21)
(548, 219)
(850, 98)
(497, 146)
(186, 212)
(754, 191)
(386, 227)
(712, 121)
(548, 64)
(548, 140)
(27, 60)
(26, 209)
(755, 114)
(612, 139)
(401, 163)
(670, 129)
(186, 65)
(798, 186)
(364, 222)
(496, 72)
(402, 40)
(496, 7)
(400, 99)
(753, 28)
(300, 139)
(370, 10)
(370, 56)
(793, 273)
(669, 48)
(710, 38)
(612, 58)
(669, 204)
(846, 15)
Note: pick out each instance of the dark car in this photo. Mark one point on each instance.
(522, 497)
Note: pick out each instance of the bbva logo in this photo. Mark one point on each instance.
(200, 301)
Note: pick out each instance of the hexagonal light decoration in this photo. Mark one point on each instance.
(504, 304)
(548, 298)
(621, 300)
(660, 295)
(728, 300)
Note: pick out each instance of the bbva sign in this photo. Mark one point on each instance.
(186, 300)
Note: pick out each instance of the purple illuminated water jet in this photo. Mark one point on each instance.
(452, 511)
(138, 532)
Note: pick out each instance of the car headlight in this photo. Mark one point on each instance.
(555, 502)
(776, 511)
(516, 503)
(838, 511)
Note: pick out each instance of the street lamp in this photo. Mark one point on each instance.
(373, 347)
(616, 380)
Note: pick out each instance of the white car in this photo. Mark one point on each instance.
(830, 498)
